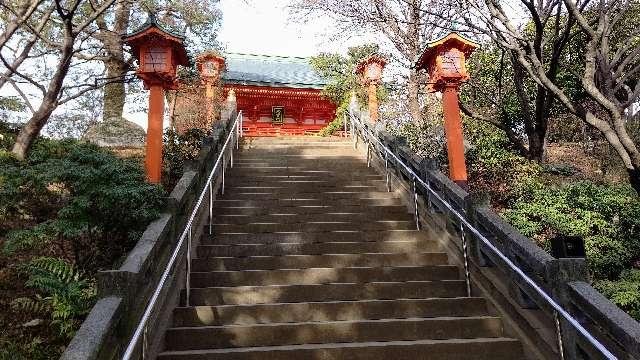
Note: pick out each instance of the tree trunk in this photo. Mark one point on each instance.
(114, 93)
(634, 179)
(413, 89)
(537, 142)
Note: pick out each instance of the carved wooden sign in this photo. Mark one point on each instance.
(277, 115)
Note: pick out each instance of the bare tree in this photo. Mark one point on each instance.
(197, 19)
(404, 23)
(15, 14)
(607, 63)
(65, 37)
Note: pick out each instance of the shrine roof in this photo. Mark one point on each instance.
(274, 71)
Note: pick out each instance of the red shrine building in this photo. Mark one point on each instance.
(277, 95)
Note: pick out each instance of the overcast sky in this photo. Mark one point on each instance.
(265, 27)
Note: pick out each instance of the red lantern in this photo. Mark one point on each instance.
(159, 52)
(370, 69)
(210, 65)
(444, 59)
(370, 72)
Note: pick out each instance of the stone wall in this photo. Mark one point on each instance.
(124, 292)
(527, 315)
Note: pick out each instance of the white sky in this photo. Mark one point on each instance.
(264, 27)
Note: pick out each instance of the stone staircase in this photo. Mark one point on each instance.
(311, 258)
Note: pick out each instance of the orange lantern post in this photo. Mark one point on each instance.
(210, 65)
(159, 52)
(370, 71)
(444, 60)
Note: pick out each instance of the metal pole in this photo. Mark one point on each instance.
(241, 123)
(559, 333)
(369, 154)
(144, 342)
(344, 120)
(223, 166)
(231, 155)
(386, 170)
(210, 204)
(415, 204)
(465, 255)
(238, 133)
(188, 268)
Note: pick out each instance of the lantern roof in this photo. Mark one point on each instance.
(271, 71)
(374, 58)
(209, 54)
(150, 27)
(453, 39)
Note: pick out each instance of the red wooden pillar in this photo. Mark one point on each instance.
(159, 52)
(153, 158)
(453, 130)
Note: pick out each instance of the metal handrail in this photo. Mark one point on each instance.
(464, 223)
(141, 329)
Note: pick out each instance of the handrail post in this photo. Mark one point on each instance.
(559, 335)
(415, 204)
(223, 166)
(465, 255)
(188, 285)
(386, 170)
(210, 205)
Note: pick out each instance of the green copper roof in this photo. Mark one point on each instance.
(265, 70)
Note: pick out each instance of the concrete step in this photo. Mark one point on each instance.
(308, 177)
(447, 349)
(296, 188)
(328, 311)
(314, 261)
(336, 247)
(313, 237)
(320, 173)
(299, 201)
(289, 218)
(321, 196)
(254, 211)
(293, 182)
(325, 292)
(323, 275)
(215, 337)
(313, 226)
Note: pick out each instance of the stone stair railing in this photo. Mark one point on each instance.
(529, 313)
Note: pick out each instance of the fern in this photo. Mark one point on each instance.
(31, 306)
(68, 294)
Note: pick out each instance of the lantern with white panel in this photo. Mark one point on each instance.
(158, 51)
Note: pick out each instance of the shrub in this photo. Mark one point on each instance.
(179, 147)
(495, 168)
(76, 194)
(608, 217)
(624, 292)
